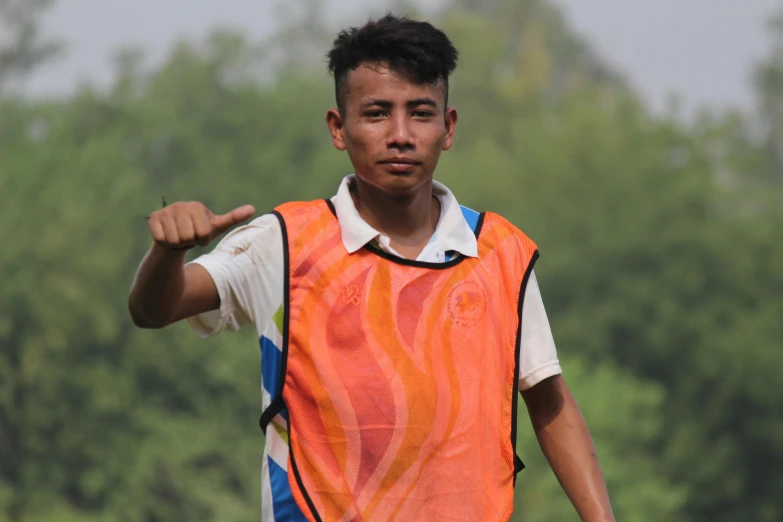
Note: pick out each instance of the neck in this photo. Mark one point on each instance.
(408, 221)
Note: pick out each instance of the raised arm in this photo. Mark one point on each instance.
(164, 290)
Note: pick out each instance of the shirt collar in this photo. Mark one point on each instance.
(452, 233)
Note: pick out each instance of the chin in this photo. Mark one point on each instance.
(397, 183)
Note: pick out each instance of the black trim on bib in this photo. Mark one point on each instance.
(518, 464)
(277, 405)
(424, 264)
(298, 477)
(331, 206)
(410, 262)
(479, 225)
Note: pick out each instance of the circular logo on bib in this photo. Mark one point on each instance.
(467, 303)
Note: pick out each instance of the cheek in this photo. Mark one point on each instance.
(362, 140)
(436, 140)
(358, 149)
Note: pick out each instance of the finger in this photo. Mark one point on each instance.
(170, 227)
(156, 229)
(222, 223)
(202, 227)
(187, 234)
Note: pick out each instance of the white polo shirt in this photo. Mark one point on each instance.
(247, 267)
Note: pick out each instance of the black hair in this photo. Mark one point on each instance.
(416, 50)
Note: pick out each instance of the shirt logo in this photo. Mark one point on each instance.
(467, 303)
(350, 294)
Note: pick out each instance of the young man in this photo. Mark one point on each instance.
(396, 327)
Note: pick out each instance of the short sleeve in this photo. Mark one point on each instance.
(247, 268)
(537, 354)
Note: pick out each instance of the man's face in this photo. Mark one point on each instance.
(393, 130)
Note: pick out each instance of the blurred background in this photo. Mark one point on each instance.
(640, 144)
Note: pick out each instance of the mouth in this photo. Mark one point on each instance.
(399, 164)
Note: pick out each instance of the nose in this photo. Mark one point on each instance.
(400, 132)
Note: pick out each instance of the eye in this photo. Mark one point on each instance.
(374, 114)
(423, 114)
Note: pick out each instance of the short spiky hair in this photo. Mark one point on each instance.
(416, 50)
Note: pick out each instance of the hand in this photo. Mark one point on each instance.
(181, 225)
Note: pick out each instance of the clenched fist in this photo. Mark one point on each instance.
(181, 225)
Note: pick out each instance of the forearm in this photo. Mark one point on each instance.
(565, 441)
(158, 288)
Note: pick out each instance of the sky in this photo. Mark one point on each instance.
(703, 50)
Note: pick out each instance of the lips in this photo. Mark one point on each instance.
(399, 161)
(399, 165)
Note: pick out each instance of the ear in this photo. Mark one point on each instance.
(451, 125)
(334, 120)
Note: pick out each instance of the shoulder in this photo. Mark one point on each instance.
(298, 208)
(499, 222)
(261, 234)
(250, 256)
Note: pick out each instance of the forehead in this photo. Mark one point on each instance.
(377, 81)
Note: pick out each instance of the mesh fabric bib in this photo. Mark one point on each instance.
(399, 378)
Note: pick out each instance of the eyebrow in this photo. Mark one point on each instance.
(410, 104)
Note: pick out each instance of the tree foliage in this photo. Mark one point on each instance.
(22, 48)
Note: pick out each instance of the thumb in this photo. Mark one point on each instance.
(223, 222)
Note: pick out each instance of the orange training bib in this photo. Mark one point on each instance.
(399, 378)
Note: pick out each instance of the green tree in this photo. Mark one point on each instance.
(769, 85)
(22, 49)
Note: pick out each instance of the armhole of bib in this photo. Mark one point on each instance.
(518, 464)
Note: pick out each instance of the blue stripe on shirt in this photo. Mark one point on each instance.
(472, 218)
(271, 360)
(283, 504)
